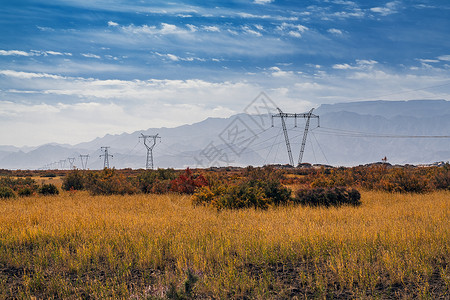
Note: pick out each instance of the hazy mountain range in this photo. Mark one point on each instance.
(349, 134)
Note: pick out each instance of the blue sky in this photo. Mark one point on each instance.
(73, 70)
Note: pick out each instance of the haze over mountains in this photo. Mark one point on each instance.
(406, 132)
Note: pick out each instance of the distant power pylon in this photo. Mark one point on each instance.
(62, 164)
(84, 160)
(149, 163)
(71, 160)
(106, 155)
(306, 116)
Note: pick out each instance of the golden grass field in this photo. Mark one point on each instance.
(153, 246)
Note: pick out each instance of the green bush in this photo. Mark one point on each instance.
(25, 192)
(335, 196)
(48, 189)
(108, 182)
(260, 188)
(18, 184)
(156, 181)
(441, 180)
(73, 181)
(6, 192)
(403, 181)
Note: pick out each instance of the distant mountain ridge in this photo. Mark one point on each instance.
(389, 109)
(350, 134)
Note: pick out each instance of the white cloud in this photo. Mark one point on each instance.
(96, 107)
(259, 27)
(335, 31)
(272, 17)
(428, 60)
(53, 53)
(355, 13)
(173, 57)
(263, 1)
(211, 28)
(361, 64)
(163, 29)
(248, 30)
(295, 34)
(169, 29)
(366, 62)
(31, 53)
(14, 52)
(294, 30)
(90, 55)
(390, 8)
(45, 28)
(343, 67)
(277, 72)
(444, 57)
(28, 75)
(112, 24)
(349, 3)
(193, 28)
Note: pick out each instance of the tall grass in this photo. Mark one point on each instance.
(151, 246)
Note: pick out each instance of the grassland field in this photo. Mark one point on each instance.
(78, 246)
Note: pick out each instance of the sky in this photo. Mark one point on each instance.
(74, 70)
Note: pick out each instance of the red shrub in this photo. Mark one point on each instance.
(188, 182)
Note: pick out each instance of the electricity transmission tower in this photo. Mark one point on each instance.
(306, 116)
(71, 160)
(106, 155)
(149, 163)
(84, 160)
(62, 164)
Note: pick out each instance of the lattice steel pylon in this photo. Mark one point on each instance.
(84, 160)
(71, 160)
(306, 116)
(149, 162)
(106, 155)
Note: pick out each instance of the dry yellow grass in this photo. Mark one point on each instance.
(75, 245)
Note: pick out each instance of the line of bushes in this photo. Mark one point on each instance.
(261, 188)
(255, 187)
(11, 187)
(383, 177)
(110, 181)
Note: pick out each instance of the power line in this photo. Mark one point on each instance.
(351, 133)
(320, 147)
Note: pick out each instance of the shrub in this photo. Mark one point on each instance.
(6, 192)
(441, 180)
(403, 181)
(188, 182)
(18, 184)
(108, 182)
(74, 180)
(156, 182)
(25, 192)
(49, 175)
(260, 188)
(244, 195)
(48, 189)
(335, 196)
